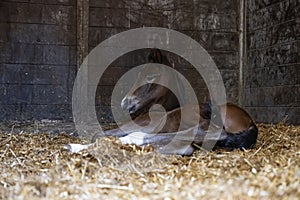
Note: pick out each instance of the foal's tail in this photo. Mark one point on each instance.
(243, 140)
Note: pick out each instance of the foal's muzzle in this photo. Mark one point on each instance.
(130, 104)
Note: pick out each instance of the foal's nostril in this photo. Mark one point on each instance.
(131, 109)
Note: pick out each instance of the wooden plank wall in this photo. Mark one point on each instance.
(272, 81)
(37, 59)
(43, 42)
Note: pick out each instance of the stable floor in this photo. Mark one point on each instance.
(37, 166)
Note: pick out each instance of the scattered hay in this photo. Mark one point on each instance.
(36, 166)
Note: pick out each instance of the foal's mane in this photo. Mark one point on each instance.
(156, 56)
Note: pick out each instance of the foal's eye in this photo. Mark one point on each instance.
(150, 78)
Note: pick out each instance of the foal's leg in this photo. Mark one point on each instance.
(173, 143)
(143, 123)
(165, 143)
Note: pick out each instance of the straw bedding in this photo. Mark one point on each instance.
(37, 166)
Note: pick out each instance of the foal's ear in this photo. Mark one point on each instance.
(155, 56)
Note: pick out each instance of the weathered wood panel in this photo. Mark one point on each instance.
(37, 59)
(42, 43)
(272, 81)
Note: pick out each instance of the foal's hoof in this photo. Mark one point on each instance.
(136, 138)
(75, 148)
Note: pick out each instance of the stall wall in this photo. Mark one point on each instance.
(39, 46)
(272, 77)
(37, 59)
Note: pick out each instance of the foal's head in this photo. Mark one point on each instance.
(151, 91)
